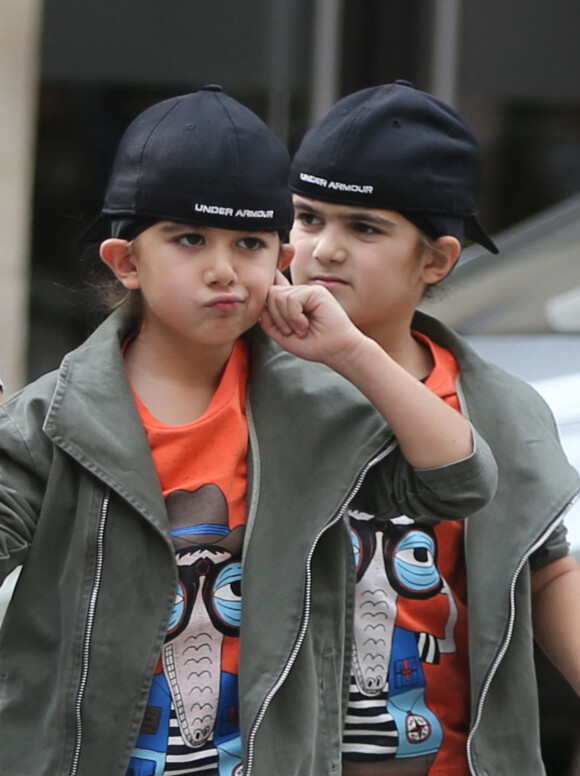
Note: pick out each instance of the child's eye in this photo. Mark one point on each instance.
(190, 239)
(251, 243)
(308, 219)
(363, 228)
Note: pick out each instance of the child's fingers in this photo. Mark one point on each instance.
(276, 308)
(295, 314)
(287, 310)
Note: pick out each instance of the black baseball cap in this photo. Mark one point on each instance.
(198, 158)
(396, 148)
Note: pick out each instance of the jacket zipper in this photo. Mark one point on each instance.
(307, 601)
(85, 658)
(509, 631)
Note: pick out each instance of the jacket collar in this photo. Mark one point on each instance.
(93, 417)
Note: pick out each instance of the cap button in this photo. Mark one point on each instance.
(212, 88)
(402, 82)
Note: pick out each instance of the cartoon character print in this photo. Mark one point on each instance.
(192, 715)
(388, 719)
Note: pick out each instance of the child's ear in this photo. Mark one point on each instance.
(286, 255)
(440, 259)
(118, 256)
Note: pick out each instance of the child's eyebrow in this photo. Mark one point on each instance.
(174, 226)
(367, 216)
(348, 215)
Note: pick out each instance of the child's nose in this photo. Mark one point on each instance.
(221, 270)
(329, 248)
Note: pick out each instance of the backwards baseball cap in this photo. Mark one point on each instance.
(199, 158)
(396, 148)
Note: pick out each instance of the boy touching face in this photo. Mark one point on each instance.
(385, 189)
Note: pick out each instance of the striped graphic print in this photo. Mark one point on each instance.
(370, 732)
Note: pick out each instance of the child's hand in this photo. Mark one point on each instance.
(308, 322)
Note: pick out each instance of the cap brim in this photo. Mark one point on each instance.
(474, 231)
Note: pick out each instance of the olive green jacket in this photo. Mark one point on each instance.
(82, 511)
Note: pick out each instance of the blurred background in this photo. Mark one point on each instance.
(74, 74)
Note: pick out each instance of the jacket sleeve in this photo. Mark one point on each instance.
(452, 492)
(25, 456)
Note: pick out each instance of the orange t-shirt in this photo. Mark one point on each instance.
(202, 470)
(211, 449)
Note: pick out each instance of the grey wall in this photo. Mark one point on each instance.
(238, 42)
(517, 50)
